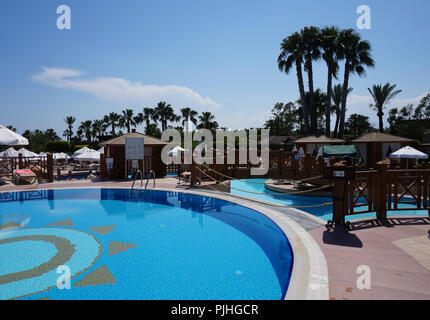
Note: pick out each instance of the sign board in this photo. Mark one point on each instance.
(109, 163)
(134, 149)
(339, 174)
(347, 173)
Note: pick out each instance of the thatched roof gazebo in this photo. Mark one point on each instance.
(377, 146)
(312, 143)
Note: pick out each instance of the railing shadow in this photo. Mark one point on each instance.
(389, 223)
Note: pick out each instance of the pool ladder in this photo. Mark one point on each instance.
(138, 172)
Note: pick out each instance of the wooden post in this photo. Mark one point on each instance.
(320, 164)
(381, 191)
(58, 174)
(281, 162)
(70, 176)
(339, 205)
(20, 164)
(50, 167)
(102, 165)
(193, 173)
(308, 164)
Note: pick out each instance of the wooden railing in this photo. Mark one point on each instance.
(281, 165)
(382, 190)
(41, 166)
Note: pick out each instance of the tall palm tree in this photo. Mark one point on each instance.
(207, 121)
(69, 121)
(337, 95)
(98, 128)
(312, 51)
(382, 96)
(165, 113)
(189, 114)
(127, 119)
(292, 55)
(112, 120)
(356, 53)
(148, 115)
(86, 129)
(329, 38)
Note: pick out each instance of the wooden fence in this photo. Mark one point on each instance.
(281, 165)
(382, 190)
(43, 167)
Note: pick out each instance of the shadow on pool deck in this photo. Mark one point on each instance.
(390, 222)
(340, 237)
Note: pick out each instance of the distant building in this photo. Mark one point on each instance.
(425, 146)
(115, 149)
(281, 142)
(374, 147)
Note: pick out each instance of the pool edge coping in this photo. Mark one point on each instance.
(309, 276)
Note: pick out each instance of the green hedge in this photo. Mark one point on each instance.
(58, 146)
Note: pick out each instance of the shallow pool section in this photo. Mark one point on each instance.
(122, 244)
(325, 213)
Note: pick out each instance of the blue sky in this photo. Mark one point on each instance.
(217, 56)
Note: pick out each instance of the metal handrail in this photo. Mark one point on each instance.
(135, 177)
(149, 177)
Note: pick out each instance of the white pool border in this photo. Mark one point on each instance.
(309, 277)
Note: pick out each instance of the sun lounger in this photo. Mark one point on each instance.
(185, 177)
(25, 176)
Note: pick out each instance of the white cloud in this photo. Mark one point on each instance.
(119, 90)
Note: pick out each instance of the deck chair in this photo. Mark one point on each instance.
(25, 176)
(184, 177)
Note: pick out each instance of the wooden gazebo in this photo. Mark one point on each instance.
(312, 143)
(121, 168)
(377, 146)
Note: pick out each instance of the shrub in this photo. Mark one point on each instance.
(58, 146)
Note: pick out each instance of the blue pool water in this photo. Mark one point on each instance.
(122, 244)
(325, 213)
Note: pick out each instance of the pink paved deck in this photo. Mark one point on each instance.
(394, 273)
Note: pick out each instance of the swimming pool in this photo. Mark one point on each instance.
(325, 213)
(123, 244)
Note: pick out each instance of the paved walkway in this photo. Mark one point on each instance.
(398, 254)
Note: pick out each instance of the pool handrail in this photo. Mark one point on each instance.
(151, 172)
(135, 177)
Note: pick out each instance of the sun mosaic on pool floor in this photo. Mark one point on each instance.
(30, 257)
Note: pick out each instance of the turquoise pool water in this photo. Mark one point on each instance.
(325, 213)
(122, 244)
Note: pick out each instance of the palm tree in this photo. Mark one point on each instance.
(86, 129)
(382, 96)
(312, 45)
(98, 128)
(112, 120)
(148, 115)
(69, 121)
(165, 113)
(127, 119)
(207, 121)
(329, 37)
(337, 95)
(292, 54)
(189, 114)
(356, 53)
